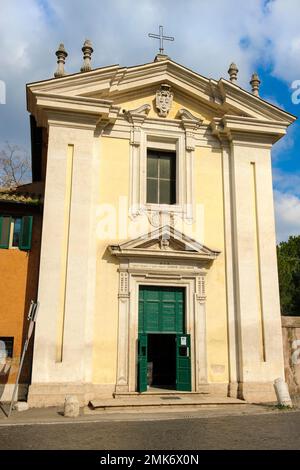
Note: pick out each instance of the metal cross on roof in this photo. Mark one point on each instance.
(161, 38)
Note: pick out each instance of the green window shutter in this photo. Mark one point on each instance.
(5, 223)
(26, 233)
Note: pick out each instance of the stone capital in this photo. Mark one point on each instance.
(191, 124)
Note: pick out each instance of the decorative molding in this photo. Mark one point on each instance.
(191, 124)
(159, 218)
(123, 284)
(70, 109)
(187, 117)
(138, 115)
(122, 129)
(164, 138)
(150, 245)
(164, 243)
(159, 272)
(164, 99)
(114, 81)
(248, 131)
(201, 288)
(136, 118)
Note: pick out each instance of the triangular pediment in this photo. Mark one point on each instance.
(164, 242)
(122, 86)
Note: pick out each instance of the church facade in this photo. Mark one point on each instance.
(158, 260)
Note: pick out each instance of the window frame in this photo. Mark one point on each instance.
(7, 339)
(165, 142)
(171, 137)
(11, 233)
(25, 229)
(159, 153)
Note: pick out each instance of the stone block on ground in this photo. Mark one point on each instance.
(21, 406)
(71, 406)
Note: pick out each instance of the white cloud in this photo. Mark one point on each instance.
(281, 148)
(287, 203)
(281, 26)
(287, 215)
(31, 30)
(286, 182)
(208, 37)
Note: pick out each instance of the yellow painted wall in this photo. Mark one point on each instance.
(114, 184)
(209, 191)
(19, 279)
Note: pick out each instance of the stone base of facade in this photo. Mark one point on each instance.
(232, 389)
(6, 392)
(215, 389)
(256, 392)
(53, 394)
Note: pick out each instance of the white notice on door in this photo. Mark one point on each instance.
(183, 341)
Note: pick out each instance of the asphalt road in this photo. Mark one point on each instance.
(266, 431)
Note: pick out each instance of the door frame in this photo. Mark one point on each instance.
(195, 322)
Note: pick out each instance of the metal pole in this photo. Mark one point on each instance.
(18, 378)
(32, 314)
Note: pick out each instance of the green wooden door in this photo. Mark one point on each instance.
(142, 362)
(161, 309)
(183, 363)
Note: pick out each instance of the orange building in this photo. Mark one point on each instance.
(20, 237)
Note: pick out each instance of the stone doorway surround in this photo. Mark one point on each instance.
(164, 257)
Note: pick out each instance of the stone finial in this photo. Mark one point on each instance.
(61, 55)
(233, 71)
(255, 82)
(87, 55)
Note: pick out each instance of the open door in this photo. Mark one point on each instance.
(142, 362)
(183, 363)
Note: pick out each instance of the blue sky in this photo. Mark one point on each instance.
(259, 35)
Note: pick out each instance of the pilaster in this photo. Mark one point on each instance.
(200, 331)
(256, 281)
(64, 330)
(122, 383)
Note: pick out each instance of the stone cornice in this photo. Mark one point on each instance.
(71, 110)
(145, 246)
(240, 99)
(145, 253)
(239, 128)
(221, 96)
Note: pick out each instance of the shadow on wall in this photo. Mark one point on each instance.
(30, 294)
(5, 366)
(9, 362)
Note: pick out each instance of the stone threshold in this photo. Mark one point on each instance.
(157, 391)
(161, 401)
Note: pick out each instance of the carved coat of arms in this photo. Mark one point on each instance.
(164, 98)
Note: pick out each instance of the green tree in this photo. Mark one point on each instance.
(288, 255)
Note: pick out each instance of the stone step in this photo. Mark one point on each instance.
(161, 401)
(155, 393)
